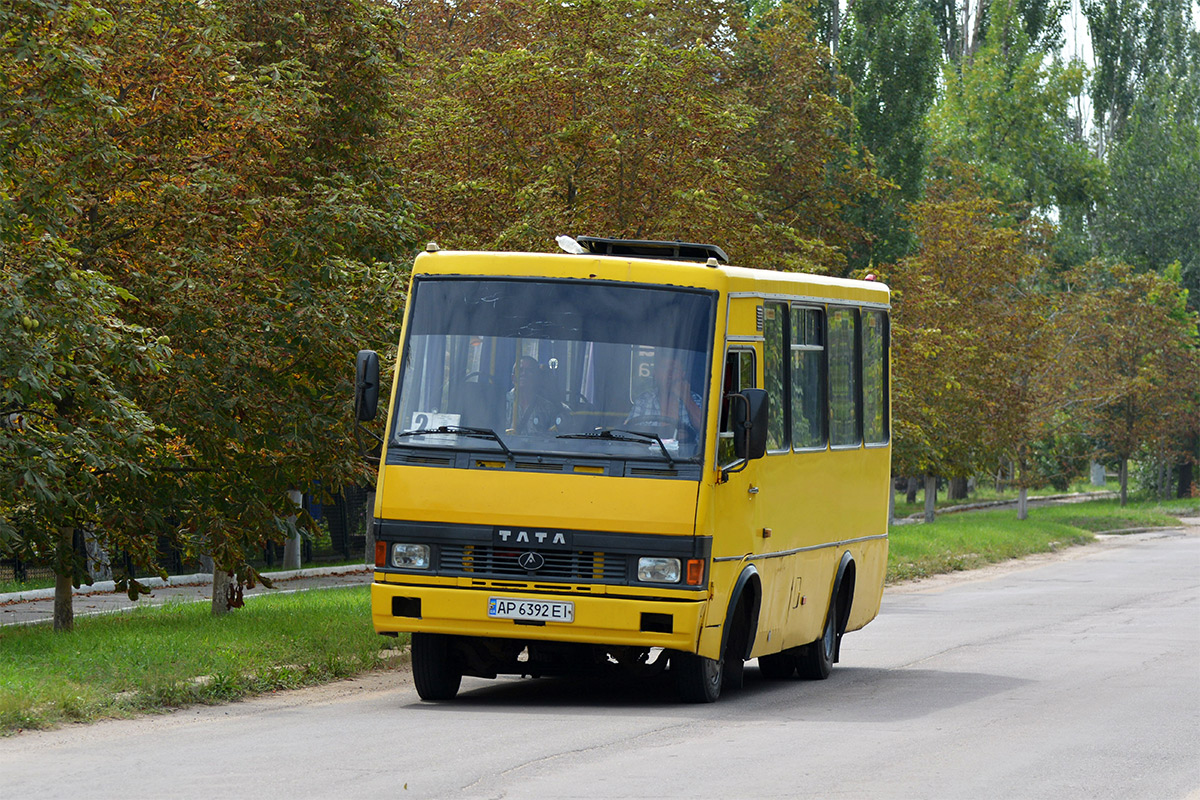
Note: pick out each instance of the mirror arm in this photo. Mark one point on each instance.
(736, 467)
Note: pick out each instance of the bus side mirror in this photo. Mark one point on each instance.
(749, 411)
(366, 385)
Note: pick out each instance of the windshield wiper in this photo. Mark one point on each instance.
(474, 433)
(619, 435)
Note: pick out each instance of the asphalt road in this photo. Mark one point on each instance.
(1071, 676)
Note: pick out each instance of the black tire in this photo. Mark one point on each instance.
(815, 660)
(778, 666)
(435, 672)
(697, 679)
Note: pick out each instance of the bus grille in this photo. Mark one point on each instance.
(579, 566)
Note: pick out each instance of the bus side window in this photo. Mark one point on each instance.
(874, 331)
(845, 419)
(775, 348)
(739, 374)
(808, 378)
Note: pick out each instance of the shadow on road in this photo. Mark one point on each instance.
(848, 695)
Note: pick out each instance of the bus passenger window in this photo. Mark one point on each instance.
(775, 332)
(808, 378)
(875, 376)
(844, 420)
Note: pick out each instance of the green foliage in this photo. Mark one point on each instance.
(1142, 359)
(890, 52)
(73, 437)
(1007, 113)
(1151, 216)
(649, 120)
(168, 171)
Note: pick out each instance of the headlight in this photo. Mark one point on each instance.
(658, 570)
(410, 556)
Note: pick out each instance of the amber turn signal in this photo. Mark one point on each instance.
(695, 571)
(380, 554)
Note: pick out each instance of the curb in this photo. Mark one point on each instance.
(920, 515)
(197, 579)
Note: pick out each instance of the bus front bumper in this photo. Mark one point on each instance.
(598, 619)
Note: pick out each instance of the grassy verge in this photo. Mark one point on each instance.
(965, 541)
(162, 657)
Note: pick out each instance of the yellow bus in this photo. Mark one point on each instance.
(631, 457)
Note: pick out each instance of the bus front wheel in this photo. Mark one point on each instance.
(697, 679)
(436, 672)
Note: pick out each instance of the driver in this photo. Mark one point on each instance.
(527, 409)
(671, 401)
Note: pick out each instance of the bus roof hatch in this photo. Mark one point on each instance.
(641, 248)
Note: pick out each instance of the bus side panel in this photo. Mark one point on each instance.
(815, 508)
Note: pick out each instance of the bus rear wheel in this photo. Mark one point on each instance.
(697, 679)
(815, 660)
(778, 666)
(436, 671)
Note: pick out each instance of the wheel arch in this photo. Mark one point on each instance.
(748, 585)
(843, 594)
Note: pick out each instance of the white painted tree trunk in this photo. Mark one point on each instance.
(64, 589)
(220, 592)
(930, 497)
(1023, 503)
(291, 548)
(1124, 473)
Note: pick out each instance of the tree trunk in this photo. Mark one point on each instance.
(1124, 477)
(64, 574)
(957, 489)
(1023, 503)
(930, 496)
(98, 566)
(291, 548)
(910, 496)
(220, 592)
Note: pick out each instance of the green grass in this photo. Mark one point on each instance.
(970, 540)
(161, 657)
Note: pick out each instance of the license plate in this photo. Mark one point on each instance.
(531, 610)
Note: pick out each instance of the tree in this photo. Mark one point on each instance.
(648, 120)
(972, 337)
(262, 213)
(73, 440)
(238, 197)
(890, 52)
(1143, 362)
(1007, 112)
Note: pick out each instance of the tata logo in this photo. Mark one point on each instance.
(531, 561)
(517, 537)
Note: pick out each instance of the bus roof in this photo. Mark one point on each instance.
(636, 269)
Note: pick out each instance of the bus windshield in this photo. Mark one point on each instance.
(570, 368)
